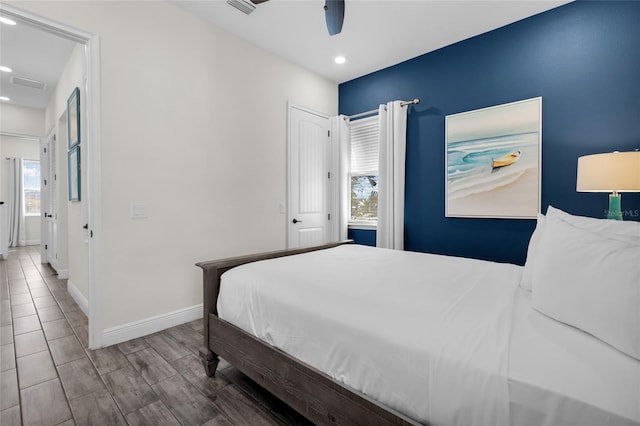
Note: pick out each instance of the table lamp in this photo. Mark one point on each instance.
(612, 172)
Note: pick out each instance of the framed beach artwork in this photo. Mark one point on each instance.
(494, 161)
(73, 170)
(73, 118)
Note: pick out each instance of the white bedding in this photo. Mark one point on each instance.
(560, 375)
(445, 340)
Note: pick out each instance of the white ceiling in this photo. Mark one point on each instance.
(33, 54)
(376, 33)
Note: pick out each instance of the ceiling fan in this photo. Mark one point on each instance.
(333, 11)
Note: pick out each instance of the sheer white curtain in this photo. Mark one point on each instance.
(17, 234)
(391, 172)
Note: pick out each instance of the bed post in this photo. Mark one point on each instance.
(209, 361)
(211, 287)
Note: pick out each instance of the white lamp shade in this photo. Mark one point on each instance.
(615, 171)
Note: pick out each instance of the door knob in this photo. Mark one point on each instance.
(296, 221)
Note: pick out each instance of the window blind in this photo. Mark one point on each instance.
(364, 146)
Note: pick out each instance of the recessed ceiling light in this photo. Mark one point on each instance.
(7, 21)
(4, 98)
(340, 59)
(5, 69)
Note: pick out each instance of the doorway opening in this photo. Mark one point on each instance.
(90, 210)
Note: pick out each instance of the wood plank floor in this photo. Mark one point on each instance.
(49, 377)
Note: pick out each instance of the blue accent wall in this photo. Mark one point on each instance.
(583, 59)
(365, 237)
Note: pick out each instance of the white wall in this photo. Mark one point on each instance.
(194, 127)
(24, 121)
(21, 120)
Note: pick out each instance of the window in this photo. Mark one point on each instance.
(363, 178)
(364, 198)
(31, 184)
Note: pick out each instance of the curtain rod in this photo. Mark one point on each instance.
(375, 111)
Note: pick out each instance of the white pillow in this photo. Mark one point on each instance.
(605, 227)
(590, 282)
(615, 229)
(527, 273)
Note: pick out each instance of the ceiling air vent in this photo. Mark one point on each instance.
(27, 82)
(242, 5)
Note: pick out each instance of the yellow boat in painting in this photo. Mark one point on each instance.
(505, 160)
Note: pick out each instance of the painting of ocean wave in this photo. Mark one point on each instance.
(493, 161)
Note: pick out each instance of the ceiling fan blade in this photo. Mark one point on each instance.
(258, 1)
(334, 14)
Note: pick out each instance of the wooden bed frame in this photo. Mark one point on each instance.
(312, 393)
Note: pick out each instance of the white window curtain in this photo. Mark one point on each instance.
(342, 154)
(391, 172)
(17, 234)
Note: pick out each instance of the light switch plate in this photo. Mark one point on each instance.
(139, 211)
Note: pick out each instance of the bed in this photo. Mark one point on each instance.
(347, 334)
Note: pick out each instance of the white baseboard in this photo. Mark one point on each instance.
(147, 326)
(53, 263)
(62, 274)
(33, 242)
(78, 297)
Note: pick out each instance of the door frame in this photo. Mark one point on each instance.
(93, 126)
(330, 199)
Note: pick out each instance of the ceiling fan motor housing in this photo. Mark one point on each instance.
(334, 15)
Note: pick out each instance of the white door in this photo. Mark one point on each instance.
(49, 189)
(44, 197)
(53, 204)
(309, 150)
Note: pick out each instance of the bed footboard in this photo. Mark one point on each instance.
(213, 270)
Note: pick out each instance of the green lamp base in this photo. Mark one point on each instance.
(614, 212)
